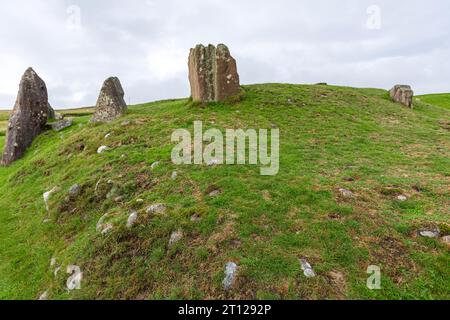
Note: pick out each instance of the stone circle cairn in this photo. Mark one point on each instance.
(28, 117)
(213, 74)
(402, 94)
(110, 104)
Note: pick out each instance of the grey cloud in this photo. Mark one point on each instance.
(146, 44)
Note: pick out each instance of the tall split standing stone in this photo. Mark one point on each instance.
(402, 94)
(110, 104)
(213, 74)
(28, 117)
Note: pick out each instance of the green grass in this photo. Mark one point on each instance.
(4, 116)
(331, 138)
(441, 99)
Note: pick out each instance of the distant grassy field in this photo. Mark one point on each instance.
(441, 100)
(331, 138)
(4, 116)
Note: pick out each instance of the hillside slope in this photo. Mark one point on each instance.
(331, 138)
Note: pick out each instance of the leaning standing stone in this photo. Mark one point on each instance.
(28, 117)
(402, 94)
(110, 104)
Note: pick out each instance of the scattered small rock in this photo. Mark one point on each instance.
(74, 190)
(52, 262)
(235, 243)
(61, 125)
(402, 198)
(347, 193)
(57, 270)
(307, 269)
(432, 234)
(107, 229)
(74, 281)
(215, 193)
(114, 190)
(132, 219)
(43, 296)
(118, 199)
(154, 165)
(446, 240)
(230, 275)
(338, 280)
(47, 196)
(175, 237)
(102, 149)
(126, 123)
(107, 135)
(174, 175)
(156, 208)
(101, 222)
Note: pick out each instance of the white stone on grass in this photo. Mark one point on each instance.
(156, 208)
(74, 281)
(175, 237)
(132, 219)
(102, 149)
(430, 234)
(43, 296)
(154, 165)
(47, 196)
(346, 193)
(230, 275)
(307, 269)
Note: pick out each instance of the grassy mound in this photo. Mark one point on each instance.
(331, 138)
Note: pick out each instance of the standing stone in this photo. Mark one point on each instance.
(402, 94)
(212, 74)
(28, 117)
(110, 103)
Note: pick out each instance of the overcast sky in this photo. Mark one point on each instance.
(75, 45)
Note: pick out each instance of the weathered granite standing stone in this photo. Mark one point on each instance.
(28, 117)
(402, 94)
(212, 74)
(110, 103)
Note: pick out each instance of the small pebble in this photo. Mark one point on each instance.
(102, 149)
(307, 269)
(132, 219)
(230, 275)
(154, 165)
(429, 234)
(156, 208)
(175, 237)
